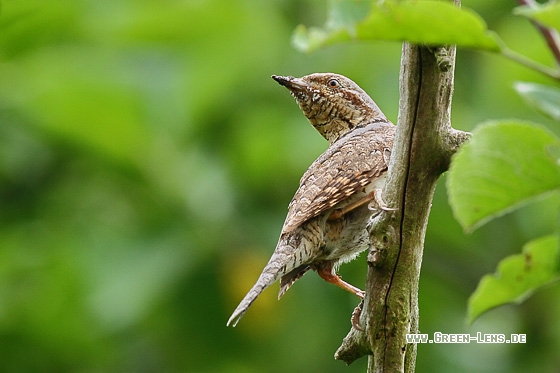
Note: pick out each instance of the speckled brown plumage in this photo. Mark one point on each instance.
(338, 194)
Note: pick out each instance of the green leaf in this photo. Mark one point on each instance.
(346, 14)
(342, 18)
(517, 277)
(422, 22)
(545, 99)
(505, 164)
(547, 14)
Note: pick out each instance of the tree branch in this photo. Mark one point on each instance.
(424, 144)
(550, 35)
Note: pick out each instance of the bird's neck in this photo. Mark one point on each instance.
(334, 128)
(333, 122)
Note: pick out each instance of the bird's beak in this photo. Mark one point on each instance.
(293, 84)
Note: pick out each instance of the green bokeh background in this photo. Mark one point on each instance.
(146, 164)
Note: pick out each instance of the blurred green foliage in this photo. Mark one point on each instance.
(146, 163)
(427, 22)
(517, 276)
(502, 154)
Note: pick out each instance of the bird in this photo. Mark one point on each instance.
(327, 219)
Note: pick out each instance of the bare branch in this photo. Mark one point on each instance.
(423, 148)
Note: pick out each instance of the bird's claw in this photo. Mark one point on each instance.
(356, 317)
(377, 202)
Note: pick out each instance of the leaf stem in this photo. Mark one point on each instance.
(525, 61)
(549, 34)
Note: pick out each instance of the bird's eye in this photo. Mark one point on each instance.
(333, 83)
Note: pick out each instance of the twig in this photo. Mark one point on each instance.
(550, 35)
(521, 59)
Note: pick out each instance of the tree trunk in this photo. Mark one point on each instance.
(423, 147)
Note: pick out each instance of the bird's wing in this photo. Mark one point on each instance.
(343, 169)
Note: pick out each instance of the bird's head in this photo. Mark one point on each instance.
(334, 104)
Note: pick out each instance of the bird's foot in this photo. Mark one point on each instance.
(326, 272)
(356, 317)
(376, 202)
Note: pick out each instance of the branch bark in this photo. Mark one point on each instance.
(424, 144)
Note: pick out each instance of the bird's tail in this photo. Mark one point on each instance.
(269, 275)
(282, 261)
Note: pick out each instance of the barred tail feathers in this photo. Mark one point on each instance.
(283, 261)
(244, 305)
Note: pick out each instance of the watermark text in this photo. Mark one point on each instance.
(466, 338)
